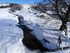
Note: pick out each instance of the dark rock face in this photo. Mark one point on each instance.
(30, 41)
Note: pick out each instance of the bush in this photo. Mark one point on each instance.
(40, 7)
(15, 7)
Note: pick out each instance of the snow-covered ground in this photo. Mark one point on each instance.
(4, 4)
(11, 35)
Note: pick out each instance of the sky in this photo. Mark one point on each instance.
(20, 1)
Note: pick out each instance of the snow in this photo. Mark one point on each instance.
(51, 12)
(11, 35)
(4, 4)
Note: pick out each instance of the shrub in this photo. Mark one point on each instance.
(15, 7)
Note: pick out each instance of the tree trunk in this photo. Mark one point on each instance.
(65, 20)
(63, 26)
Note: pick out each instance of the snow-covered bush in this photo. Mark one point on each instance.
(14, 7)
(40, 7)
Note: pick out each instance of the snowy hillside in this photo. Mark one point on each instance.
(11, 35)
(3, 4)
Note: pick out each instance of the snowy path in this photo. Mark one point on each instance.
(9, 32)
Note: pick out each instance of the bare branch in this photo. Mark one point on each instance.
(52, 3)
(57, 10)
(68, 12)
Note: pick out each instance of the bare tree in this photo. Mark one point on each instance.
(62, 8)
